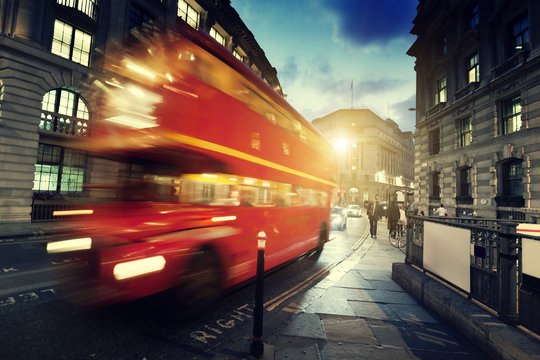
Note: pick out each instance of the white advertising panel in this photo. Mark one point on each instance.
(530, 253)
(447, 253)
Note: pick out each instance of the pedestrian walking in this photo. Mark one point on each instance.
(393, 216)
(374, 213)
(441, 211)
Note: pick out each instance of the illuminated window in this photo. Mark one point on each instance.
(520, 35)
(216, 35)
(238, 55)
(64, 112)
(511, 116)
(473, 69)
(58, 170)
(71, 43)
(87, 7)
(464, 130)
(440, 94)
(188, 14)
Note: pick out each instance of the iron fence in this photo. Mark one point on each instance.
(496, 278)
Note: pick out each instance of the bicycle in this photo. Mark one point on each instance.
(398, 239)
(402, 239)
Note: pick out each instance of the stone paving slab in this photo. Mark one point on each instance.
(347, 351)
(354, 279)
(296, 348)
(412, 313)
(305, 325)
(373, 310)
(348, 329)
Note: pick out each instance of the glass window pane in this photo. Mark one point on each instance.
(45, 178)
(81, 47)
(67, 103)
(82, 110)
(61, 39)
(49, 101)
(72, 179)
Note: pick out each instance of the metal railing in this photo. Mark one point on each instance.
(496, 278)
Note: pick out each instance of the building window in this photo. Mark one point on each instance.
(512, 178)
(464, 184)
(58, 170)
(435, 189)
(474, 17)
(473, 69)
(188, 14)
(511, 188)
(71, 43)
(520, 35)
(238, 56)
(511, 116)
(64, 112)
(216, 35)
(434, 142)
(87, 7)
(138, 17)
(464, 130)
(440, 94)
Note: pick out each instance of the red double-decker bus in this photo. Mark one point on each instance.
(191, 156)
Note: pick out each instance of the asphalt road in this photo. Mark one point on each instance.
(38, 322)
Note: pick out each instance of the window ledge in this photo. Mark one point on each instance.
(435, 109)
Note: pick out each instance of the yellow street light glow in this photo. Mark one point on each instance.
(340, 144)
(139, 69)
(139, 267)
(169, 77)
(223, 218)
(69, 245)
(210, 175)
(72, 212)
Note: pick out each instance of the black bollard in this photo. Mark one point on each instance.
(257, 346)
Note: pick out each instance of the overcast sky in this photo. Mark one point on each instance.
(321, 47)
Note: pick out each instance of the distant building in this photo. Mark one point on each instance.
(478, 106)
(47, 50)
(375, 156)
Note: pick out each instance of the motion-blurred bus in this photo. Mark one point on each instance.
(192, 155)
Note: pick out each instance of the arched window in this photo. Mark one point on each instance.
(64, 112)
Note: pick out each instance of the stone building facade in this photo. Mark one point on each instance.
(478, 106)
(47, 50)
(375, 157)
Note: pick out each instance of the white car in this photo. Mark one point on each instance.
(338, 220)
(353, 211)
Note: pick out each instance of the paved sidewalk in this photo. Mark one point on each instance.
(359, 312)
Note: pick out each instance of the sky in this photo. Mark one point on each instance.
(338, 54)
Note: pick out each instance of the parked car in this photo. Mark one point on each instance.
(353, 211)
(338, 219)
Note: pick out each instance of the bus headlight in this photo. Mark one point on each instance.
(69, 245)
(139, 267)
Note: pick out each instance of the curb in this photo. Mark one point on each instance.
(496, 338)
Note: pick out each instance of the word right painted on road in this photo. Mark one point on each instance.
(211, 332)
